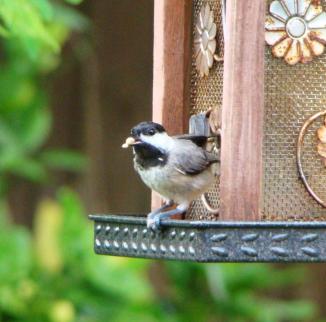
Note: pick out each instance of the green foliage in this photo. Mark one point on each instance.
(83, 287)
(31, 24)
(53, 275)
(74, 1)
(24, 20)
(237, 292)
(34, 31)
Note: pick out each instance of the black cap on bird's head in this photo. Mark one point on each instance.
(145, 139)
(145, 132)
(146, 128)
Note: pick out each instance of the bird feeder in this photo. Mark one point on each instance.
(259, 67)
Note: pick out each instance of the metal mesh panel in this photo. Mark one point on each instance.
(292, 95)
(206, 93)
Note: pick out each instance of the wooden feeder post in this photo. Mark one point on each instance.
(172, 64)
(242, 111)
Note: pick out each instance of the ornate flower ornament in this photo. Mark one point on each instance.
(205, 42)
(296, 29)
(321, 147)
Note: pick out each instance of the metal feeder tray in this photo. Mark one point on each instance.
(207, 241)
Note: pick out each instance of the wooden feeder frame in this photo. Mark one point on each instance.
(240, 235)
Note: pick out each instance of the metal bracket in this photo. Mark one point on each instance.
(198, 125)
(300, 142)
(211, 241)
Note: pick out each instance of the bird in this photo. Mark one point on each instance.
(178, 168)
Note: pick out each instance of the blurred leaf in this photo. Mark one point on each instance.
(29, 169)
(70, 18)
(73, 232)
(22, 19)
(15, 267)
(256, 276)
(62, 311)
(216, 282)
(64, 159)
(4, 187)
(7, 136)
(36, 128)
(48, 221)
(15, 254)
(4, 214)
(3, 31)
(74, 2)
(44, 7)
(289, 311)
(18, 90)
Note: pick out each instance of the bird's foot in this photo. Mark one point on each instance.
(154, 219)
(153, 223)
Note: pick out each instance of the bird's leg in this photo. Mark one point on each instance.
(154, 220)
(168, 204)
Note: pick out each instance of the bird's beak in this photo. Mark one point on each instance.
(130, 141)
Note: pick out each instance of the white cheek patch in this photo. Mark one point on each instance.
(159, 140)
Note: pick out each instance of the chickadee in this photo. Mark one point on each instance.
(178, 168)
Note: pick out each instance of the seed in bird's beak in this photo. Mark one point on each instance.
(129, 141)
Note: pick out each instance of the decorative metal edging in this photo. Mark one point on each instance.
(211, 241)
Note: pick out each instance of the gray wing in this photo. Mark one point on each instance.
(199, 140)
(191, 159)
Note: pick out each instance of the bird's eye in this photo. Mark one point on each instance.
(151, 132)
